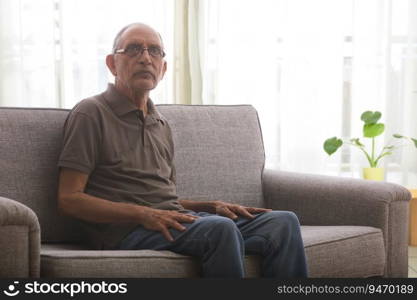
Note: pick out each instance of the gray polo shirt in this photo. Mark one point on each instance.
(128, 157)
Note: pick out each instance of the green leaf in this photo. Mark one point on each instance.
(398, 136)
(332, 144)
(373, 130)
(381, 156)
(389, 147)
(414, 141)
(370, 117)
(357, 142)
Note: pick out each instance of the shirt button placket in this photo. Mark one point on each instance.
(141, 117)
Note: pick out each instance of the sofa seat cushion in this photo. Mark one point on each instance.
(344, 251)
(332, 251)
(67, 260)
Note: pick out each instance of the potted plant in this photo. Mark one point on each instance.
(371, 129)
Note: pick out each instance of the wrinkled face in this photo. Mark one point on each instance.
(142, 72)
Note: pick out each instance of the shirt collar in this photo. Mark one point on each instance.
(121, 105)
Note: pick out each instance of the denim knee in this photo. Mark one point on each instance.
(282, 215)
(221, 230)
(218, 224)
(282, 219)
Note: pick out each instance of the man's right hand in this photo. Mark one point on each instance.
(74, 202)
(161, 220)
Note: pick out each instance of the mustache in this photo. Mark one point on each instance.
(144, 72)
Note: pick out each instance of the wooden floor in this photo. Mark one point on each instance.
(412, 262)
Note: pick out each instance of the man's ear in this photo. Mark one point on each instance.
(111, 64)
(164, 69)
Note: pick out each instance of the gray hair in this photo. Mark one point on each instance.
(120, 33)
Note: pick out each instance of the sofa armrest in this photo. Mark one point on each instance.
(331, 200)
(19, 240)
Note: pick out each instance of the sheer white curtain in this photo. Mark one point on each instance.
(311, 68)
(53, 52)
(404, 60)
(189, 51)
(27, 53)
(285, 59)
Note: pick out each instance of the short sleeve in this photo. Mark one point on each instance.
(81, 143)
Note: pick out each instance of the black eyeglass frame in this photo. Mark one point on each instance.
(133, 50)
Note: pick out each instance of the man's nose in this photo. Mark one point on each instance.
(144, 57)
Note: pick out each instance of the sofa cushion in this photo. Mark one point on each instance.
(64, 260)
(30, 142)
(219, 152)
(344, 251)
(332, 251)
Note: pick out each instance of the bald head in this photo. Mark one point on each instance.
(120, 34)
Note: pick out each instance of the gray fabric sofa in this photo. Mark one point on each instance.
(350, 227)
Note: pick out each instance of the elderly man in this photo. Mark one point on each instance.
(117, 175)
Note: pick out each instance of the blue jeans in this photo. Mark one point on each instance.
(221, 243)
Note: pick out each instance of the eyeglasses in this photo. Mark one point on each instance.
(133, 50)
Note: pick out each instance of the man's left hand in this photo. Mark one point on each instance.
(232, 211)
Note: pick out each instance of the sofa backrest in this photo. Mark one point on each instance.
(219, 152)
(218, 155)
(30, 142)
